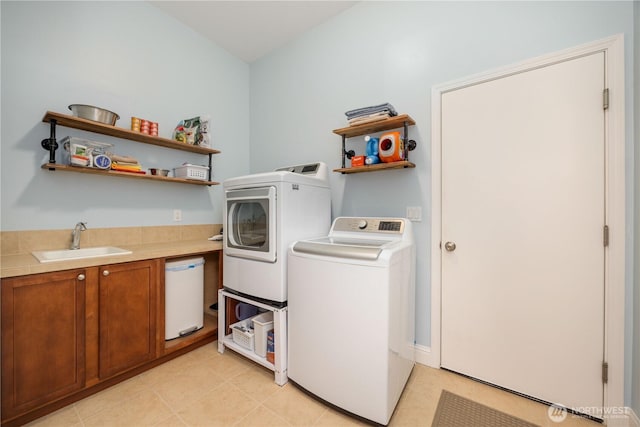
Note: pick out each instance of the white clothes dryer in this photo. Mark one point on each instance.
(265, 213)
(351, 315)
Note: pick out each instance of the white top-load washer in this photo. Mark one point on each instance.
(265, 213)
(351, 314)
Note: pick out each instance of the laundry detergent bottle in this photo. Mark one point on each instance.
(372, 150)
(391, 147)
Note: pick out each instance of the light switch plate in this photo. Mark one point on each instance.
(414, 213)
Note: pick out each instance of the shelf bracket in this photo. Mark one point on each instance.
(348, 154)
(409, 144)
(50, 143)
(210, 167)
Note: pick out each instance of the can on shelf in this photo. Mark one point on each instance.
(144, 126)
(135, 124)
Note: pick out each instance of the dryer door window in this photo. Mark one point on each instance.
(251, 223)
(251, 227)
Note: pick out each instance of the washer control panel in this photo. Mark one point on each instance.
(369, 225)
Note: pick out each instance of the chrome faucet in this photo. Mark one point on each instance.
(75, 235)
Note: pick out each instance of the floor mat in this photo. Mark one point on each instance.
(457, 411)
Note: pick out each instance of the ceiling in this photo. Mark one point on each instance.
(252, 29)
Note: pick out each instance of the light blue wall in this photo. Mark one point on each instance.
(129, 57)
(396, 52)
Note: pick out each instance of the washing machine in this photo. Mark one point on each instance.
(264, 214)
(351, 314)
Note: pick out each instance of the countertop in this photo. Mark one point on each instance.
(24, 264)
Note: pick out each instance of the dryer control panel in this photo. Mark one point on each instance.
(310, 169)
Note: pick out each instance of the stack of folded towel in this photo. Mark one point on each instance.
(370, 114)
(126, 164)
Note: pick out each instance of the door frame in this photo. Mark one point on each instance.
(613, 47)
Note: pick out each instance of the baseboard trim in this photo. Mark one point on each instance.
(424, 356)
(632, 417)
(626, 418)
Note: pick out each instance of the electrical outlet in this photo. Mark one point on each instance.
(177, 215)
(414, 213)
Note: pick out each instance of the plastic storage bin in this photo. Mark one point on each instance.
(190, 171)
(184, 297)
(84, 152)
(243, 334)
(262, 324)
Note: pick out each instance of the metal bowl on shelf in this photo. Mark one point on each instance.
(95, 114)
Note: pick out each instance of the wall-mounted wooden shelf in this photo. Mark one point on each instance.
(91, 126)
(96, 171)
(401, 121)
(378, 126)
(51, 145)
(376, 167)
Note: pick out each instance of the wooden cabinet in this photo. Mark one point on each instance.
(43, 339)
(51, 145)
(128, 316)
(401, 121)
(68, 334)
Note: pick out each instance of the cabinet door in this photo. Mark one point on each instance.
(43, 330)
(128, 315)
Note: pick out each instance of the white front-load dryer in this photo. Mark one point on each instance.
(265, 213)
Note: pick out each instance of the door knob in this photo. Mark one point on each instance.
(450, 246)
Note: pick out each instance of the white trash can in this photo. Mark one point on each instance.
(262, 324)
(184, 297)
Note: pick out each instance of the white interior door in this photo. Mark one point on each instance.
(523, 181)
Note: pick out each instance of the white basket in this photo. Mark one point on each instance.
(262, 324)
(242, 334)
(190, 171)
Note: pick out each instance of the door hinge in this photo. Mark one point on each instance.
(605, 372)
(605, 99)
(605, 236)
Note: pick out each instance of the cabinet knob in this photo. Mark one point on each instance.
(80, 276)
(105, 273)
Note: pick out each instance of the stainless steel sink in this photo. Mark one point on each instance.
(71, 254)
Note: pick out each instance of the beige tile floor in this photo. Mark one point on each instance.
(206, 388)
